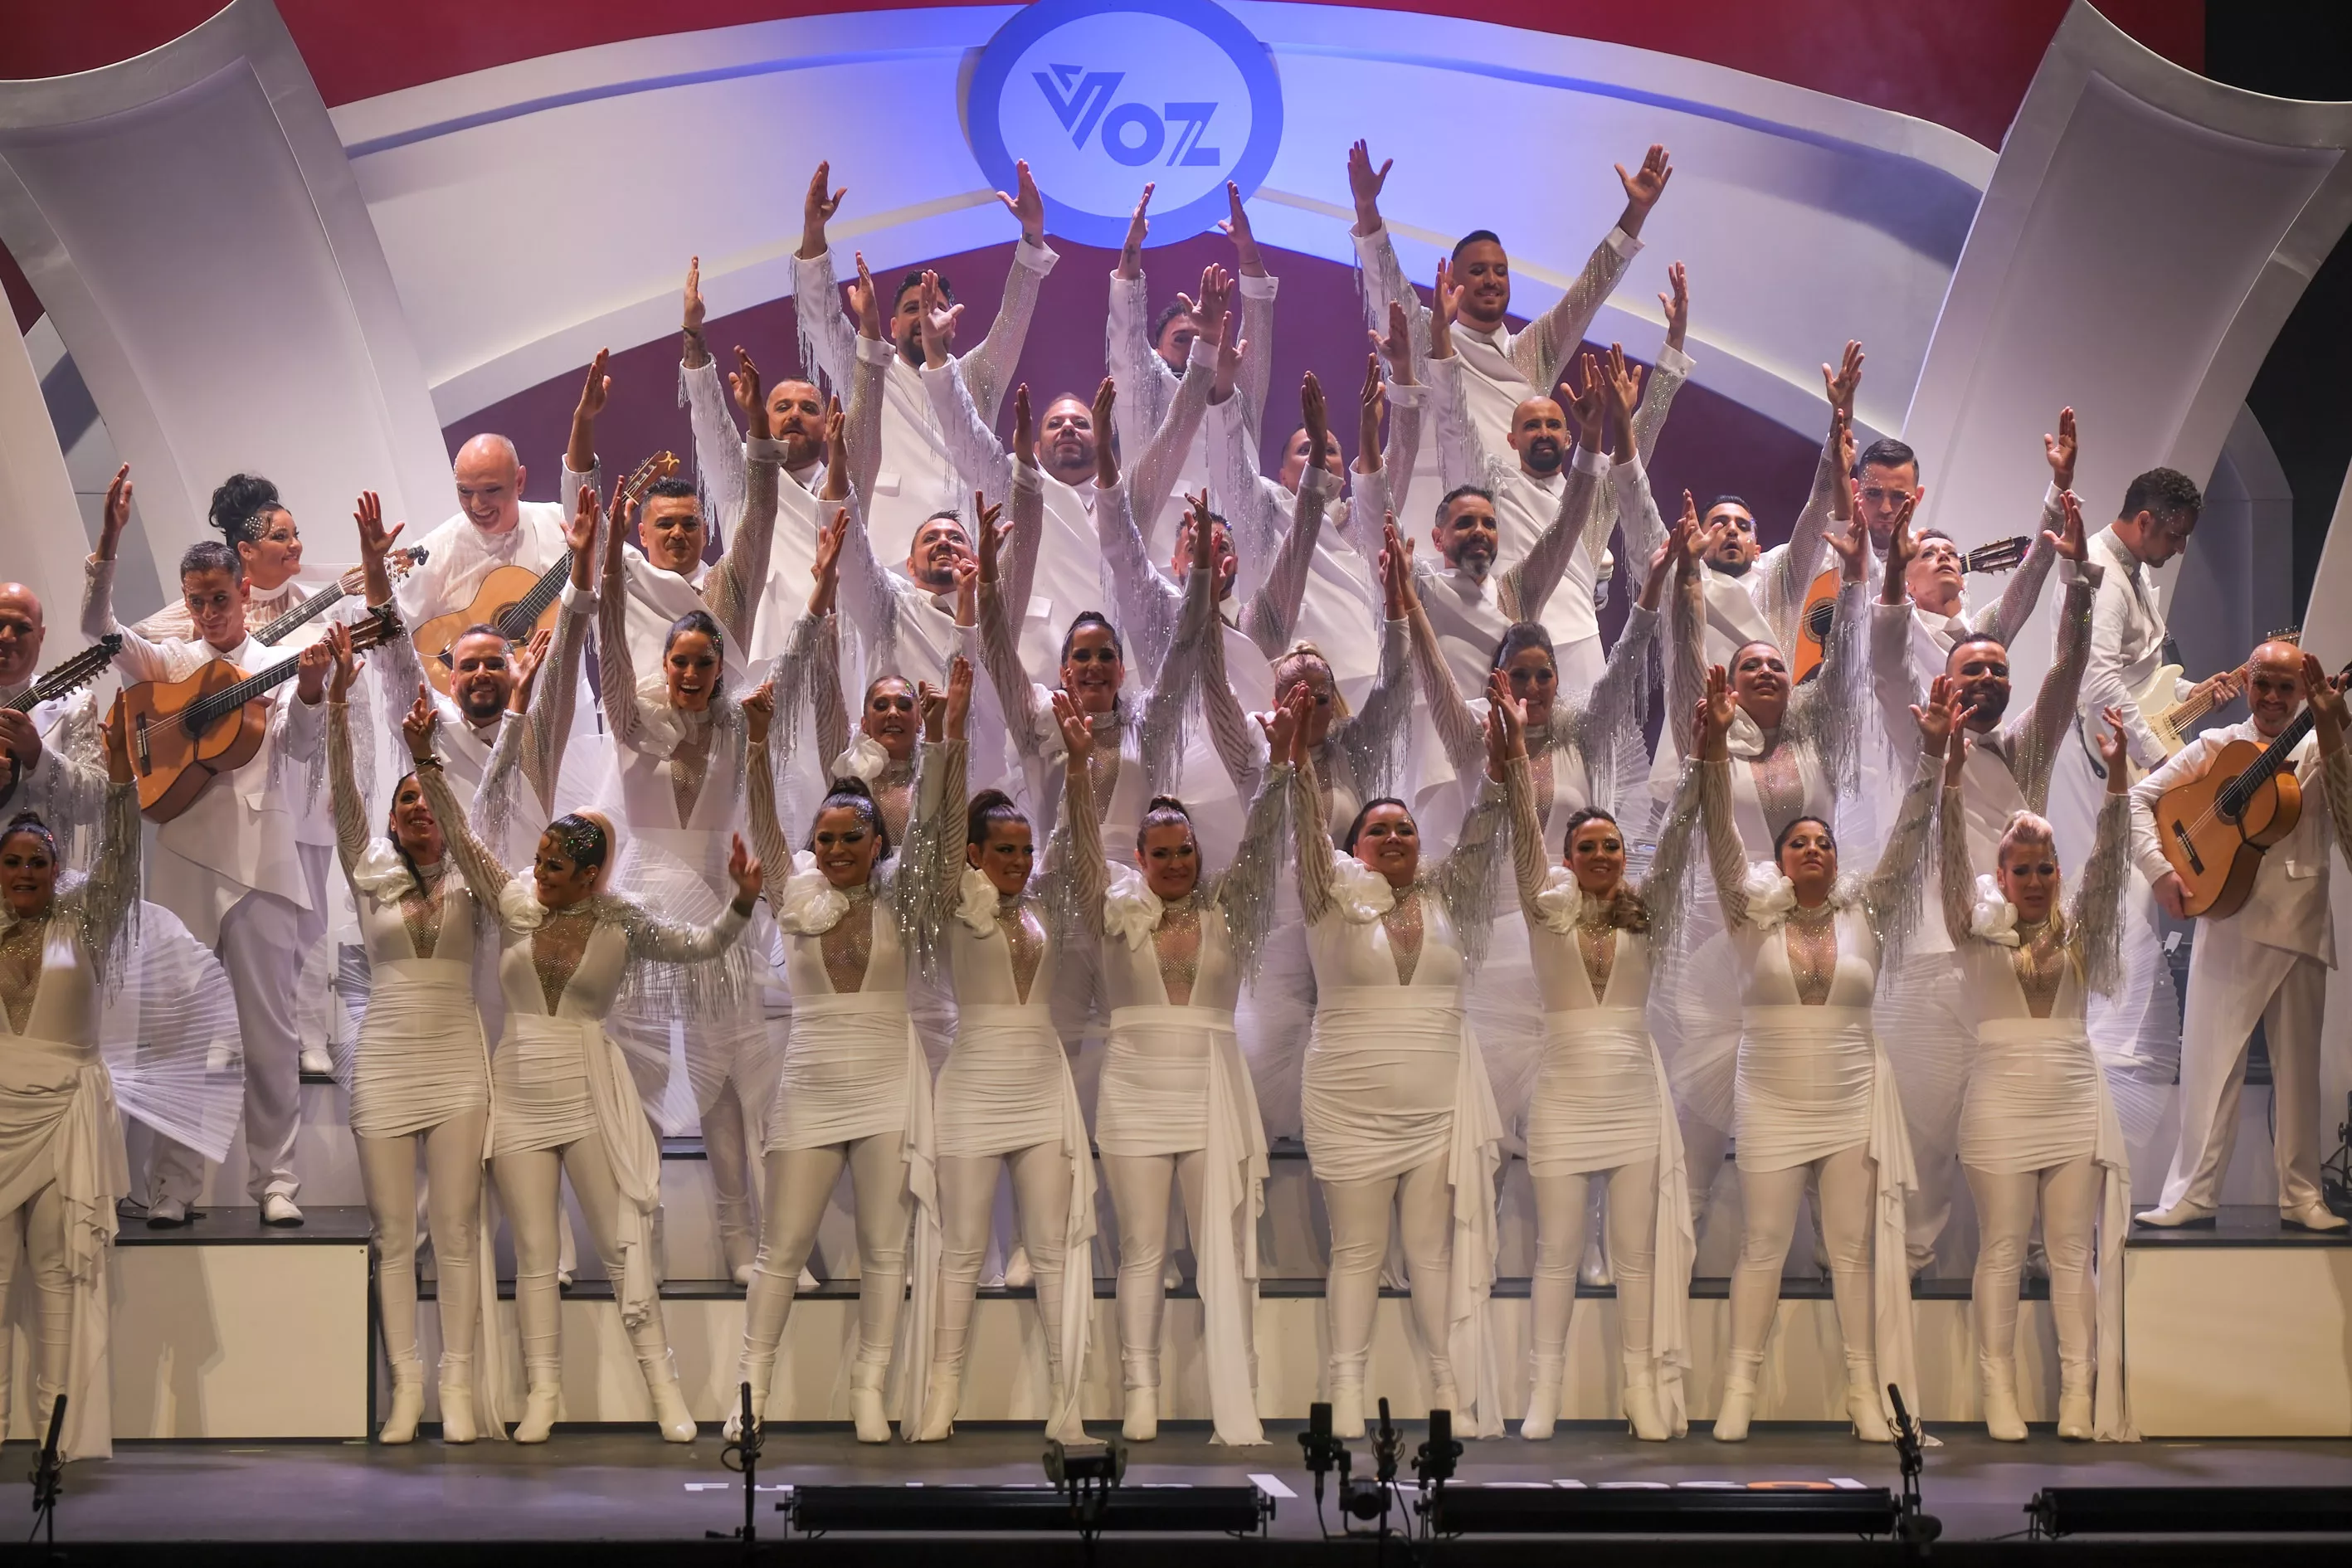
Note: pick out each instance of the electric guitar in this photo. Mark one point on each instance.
(185, 733)
(399, 564)
(516, 600)
(2169, 717)
(2214, 829)
(78, 672)
(1820, 600)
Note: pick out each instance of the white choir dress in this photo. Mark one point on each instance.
(1393, 1078)
(2037, 1096)
(58, 1125)
(1172, 1076)
(1812, 1079)
(419, 1057)
(1600, 1100)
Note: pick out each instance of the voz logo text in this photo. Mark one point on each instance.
(1131, 133)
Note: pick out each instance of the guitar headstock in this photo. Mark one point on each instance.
(79, 669)
(2001, 555)
(380, 624)
(631, 489)
(399, 562)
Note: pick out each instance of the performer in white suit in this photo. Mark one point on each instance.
(2269, 962)
(2038, 1131)
(48, 753)
(62, 938)
(919, 479)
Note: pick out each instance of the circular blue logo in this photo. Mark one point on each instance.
(1100, 98)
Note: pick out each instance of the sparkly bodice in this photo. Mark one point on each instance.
(1025, 936)
(2040, 961)
(1177, 945)
(1103, 762)
(1780, 778)
(24, 949)
(848, 947)
(1405, 925)
(893, 791)
(1811, 936)
(421, 912)
(1596, 943)
(557, 947)
(689, 764)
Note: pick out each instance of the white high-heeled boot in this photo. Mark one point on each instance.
(939, 1402)
(1864, 1400)
(1543, 1399)
(2076, 1410)
(1737, 1406)
(539, 1315)
(1640, 1400)
(1142, 1416)
(866, 1411)
(670, 1412)
(407, 1402)
(1348, 1401)
(1999, 1380)
(457, 1399)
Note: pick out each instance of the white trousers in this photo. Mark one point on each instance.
(1041, 1193)
(1563, 1207)
(1140, 1189)
(800, 1184)
(1422, 1201)
(2068, 1197)
(37, 1231)
(453, 1202)
(1770, 1199)
(263, 938)
(2232, 984)
(531, 1187)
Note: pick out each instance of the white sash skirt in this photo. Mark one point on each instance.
(1153, 1097)
(1596, 1097)
(847, 1070)
(419, 1060)
(1378, 1090)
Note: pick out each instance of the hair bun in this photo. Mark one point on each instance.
(1168, 802)
(852, 785)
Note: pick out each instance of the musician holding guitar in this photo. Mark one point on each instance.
(231, 863)
(50, 755)
(2227, 831)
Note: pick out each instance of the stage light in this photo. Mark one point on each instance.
(2190, 1510)
(1757, 1509)
(949, 1510)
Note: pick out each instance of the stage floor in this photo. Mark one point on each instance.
(605, 1485)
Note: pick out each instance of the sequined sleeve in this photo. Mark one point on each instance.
(989, 364)
(1638, 523)
(661, 939)
(1666, 890)
(2098, 913)
(1466, 878)
(545, 732)
(767, 835)
(1240, 745)
(1154, 469)
(1727, 857)
(351, 812)
(1541, 351)
(1245, 891)
(738, 583)
(1147, 604)
(1082, 844)
(1788, 572)
(1458, 728)
(1312, 835)
(1250, 511)
(1527, 586)
(2007, 615)
(1892, 893)
(718, 445)
(617, 671)
(1272, 615)
(2033, 752)
(486, 876)
(1160, 738)
(861, 433)
(1374, 738)
(110, 898)
(1527, 847)
(1017, 559)
(1000, 660)
(1607, 726)
(946, 760)
(978, 457)
(1825, 712)
(1686, 662)
(1956, 876)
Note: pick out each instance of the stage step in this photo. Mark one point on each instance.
(2240, 1329)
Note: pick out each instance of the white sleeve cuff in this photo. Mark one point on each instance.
(874, 351)
(1411, 395)
(764, 450)
(1623, 244)
(1673, 360)
(1367, 245)
(1628, 469)
(1595, 463)
(577, 598)
(1259, 287)
(1025, 477)
(1038, 258)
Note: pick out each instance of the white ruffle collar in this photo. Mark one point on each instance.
(381, 875)
(1363, 894)
(1992, 918)
(808, 904)
(976, 902)
(1771, 897)
(866, 758)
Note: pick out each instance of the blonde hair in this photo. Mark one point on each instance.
(1287, 669)
(2025, 827)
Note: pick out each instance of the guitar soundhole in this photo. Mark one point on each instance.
(1818, 621)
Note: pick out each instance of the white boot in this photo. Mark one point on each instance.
(940, 1404)
(545, 1403)
(738, 1243)
(1018, 1273)
(1640, 1401)
(1998, 1380)
(1863, 1396)
(2075, 1411)
(1347, 1402)
(457, 1399)
(1142, 1423)
(1737, 1406)
(866, 1411)
(1543, 1400)
(407, 1402)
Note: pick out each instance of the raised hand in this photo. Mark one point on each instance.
(1106, 449)
(1397, 585)
(958, 701)
(310, 667)
(937, 323)
(1678, 306)
(818, 210)
(1901, 549)
(1508, 713)
(2114, 746)
(1283, 724)
(1230, 352)
(595, 390)
(691, 317)
(743, 870)
(1371, 401)
(1203, 534)
(837, 441)
(347, 664)
(1587, 405)
(416, 728)
(1643, 186)
(1852, 543)
(1025, 205)
(118, 514)
(1024, 429)
(1714, 714)
(934, 705)
(1364, 184)
(1839, 385)
(1688, 541)
(1130, 251)
(1216, 300)
(760, 711)
(1396, 347)
(2060, 449)
(1941, 716)
(580, 528)
(625, 512)
(827, 569)
(990, 537)
(1446, 304)
(866, 302)
(1317, 418)
(1078, 734)
(529, 658)
(367, 516)
(1247, 259)
(744, 383)
(1623, 383)
(2069, 540)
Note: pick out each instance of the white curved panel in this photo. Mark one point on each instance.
(189, 222)
(39, 515)
(2143, 239)
(1805, 218)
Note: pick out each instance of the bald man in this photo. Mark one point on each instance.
(2267, 964)
(48, 755)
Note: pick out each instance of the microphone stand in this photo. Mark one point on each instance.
(48, 1477)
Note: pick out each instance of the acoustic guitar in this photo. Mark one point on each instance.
(515, 599)
(2215, 828)
(185, 733)
(68, 676)
(1820, 600)
(400, 563)
(2169, 718)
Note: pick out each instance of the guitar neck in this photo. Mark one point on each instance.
(2240, 790)
(308, 610)
(202, 714)
(523, 615)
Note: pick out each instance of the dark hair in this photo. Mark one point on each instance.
(1626, 910)
(1969, 640)
(697, 621)
(1780, 840)
(30, 821)
(852, 795)
(674, 488)
(1445, 502)
(212, 555)
(1092, 618)
(1167, 313)
(901, 679)
(581, 838)
(239, 503)
(1918, 534)
(988, 808)
(1357, 827)
(1473, 238)
(481, 629)
(2165, 493)
(1520, 636)
(913, 279)
(392, 831)
(1886, 452)
(1739, 501)
(1165, 811)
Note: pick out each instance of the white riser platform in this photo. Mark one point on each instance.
(2240, 1341)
